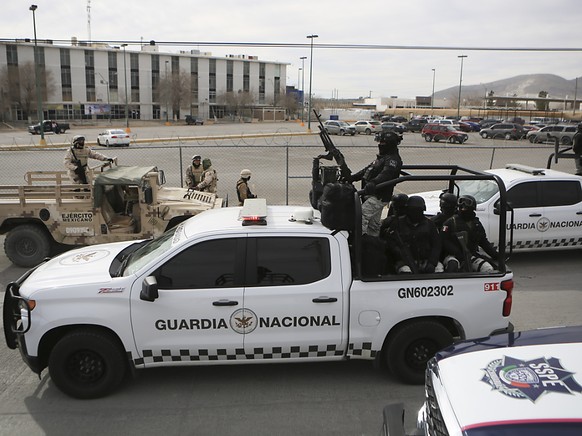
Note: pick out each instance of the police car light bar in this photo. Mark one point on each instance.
(526, 169)
(254, 212)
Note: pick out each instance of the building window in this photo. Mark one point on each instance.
(229, 76)
(11, 55)
(212, 81)
(194, 78)
(277, 90)
(90, 75)
(246, 76)
(112, 74)
(66, 81)
(155, 79)
(261, 83)
(134, 75)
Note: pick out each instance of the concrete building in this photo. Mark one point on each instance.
(88, 81)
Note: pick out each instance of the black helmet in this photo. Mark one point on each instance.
(416, 202)
(388, 138)
(580, 127)
(448, 199)
(467, 202)
(399, 199)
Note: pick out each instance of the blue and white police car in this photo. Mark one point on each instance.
(521, 383)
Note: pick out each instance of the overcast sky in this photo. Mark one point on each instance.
(343, 73)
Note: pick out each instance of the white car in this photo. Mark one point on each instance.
(368, 127)
(334, 127)
(522, 383)
(113, 138)
(547, 206)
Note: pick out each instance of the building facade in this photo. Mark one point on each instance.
(83, 81)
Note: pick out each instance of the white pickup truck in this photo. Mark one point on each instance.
(242, 285)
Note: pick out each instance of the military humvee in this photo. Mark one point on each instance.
(119, 203)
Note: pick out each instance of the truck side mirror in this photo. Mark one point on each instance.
(161, 178)
(149, 289)
(148, 195)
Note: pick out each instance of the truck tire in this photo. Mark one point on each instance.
(412, 345)
(87, 364)
(27, 245)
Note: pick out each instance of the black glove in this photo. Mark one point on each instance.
(370, 188)
(429, 268)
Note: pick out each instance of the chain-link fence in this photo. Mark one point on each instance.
(281, 171)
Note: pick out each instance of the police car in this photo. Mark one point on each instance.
(524, 383)
(546, 204)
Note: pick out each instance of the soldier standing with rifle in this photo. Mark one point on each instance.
(385, 167)
(77, 157)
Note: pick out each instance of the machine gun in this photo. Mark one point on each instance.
(80, 172)
(332, 151)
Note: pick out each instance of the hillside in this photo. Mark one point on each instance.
(527, 85)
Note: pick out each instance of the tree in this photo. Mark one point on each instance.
(18, 87)
(237, 104)
(289, 103)
(542, 105)
(175, 92)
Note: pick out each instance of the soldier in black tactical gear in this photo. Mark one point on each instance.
(385, 167)
(448, 207)
(413, 241)
(463, 234)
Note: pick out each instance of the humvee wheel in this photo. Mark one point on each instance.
(27, 245)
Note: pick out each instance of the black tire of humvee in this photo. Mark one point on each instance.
(27, 245)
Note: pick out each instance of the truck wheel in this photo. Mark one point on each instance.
(87, 364)
(412, 346)
(427, 138)
(27, 245)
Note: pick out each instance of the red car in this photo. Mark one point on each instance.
(438, 132)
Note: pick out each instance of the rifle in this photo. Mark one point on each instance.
(80, 172)
(394, 230)
(463, 238)
(332, 151)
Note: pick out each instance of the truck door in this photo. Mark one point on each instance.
(293, 304)
(562, 221)
(199, 288)
(528, 211)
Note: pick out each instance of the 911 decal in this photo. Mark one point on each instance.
(491, 287)
(426, 291)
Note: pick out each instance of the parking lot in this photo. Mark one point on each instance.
(325, 398)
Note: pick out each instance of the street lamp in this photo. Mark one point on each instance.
(302, 87)
(311, 38)
(127, 129)
(106, 83)
(167, 89)
(432, 96)
(37, 84)
(462, 57)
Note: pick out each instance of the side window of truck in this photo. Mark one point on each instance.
(523, 195)
(288, 261)
(206, 265)
(561, 193)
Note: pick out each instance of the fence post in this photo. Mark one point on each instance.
(492, 157)
(180, 163)
(287, 175)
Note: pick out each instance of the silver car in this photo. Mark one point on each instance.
(368, 127)
(335, 127)
(564, 133)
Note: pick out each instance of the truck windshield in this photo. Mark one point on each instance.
(481, 190)
(150, 251)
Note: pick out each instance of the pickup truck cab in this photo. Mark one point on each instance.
(546, 207)
(49, 126)
(247, 284)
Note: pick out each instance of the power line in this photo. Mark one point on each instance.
(318, 46)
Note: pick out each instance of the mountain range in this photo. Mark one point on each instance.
(525, 85)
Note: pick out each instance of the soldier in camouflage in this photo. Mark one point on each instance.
(77, 157)
(209, 178)
(194, 172)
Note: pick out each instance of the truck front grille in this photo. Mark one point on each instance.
(434, 420)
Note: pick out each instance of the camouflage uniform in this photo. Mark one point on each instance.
(194, 176)
(82, 155)
(209, 178)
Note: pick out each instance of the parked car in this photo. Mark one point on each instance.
(334, 127)
(443, 132)
(394, 118)
(518, 383)
(503, 130)
(475, 126)
(49, 126)
(393, 127)
(193, 120)
(368, 127)
(488, 122)
(564, 133)
(416, 124)
(113, 138)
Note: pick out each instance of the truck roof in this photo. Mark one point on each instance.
(513, 172)
(274, 218)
